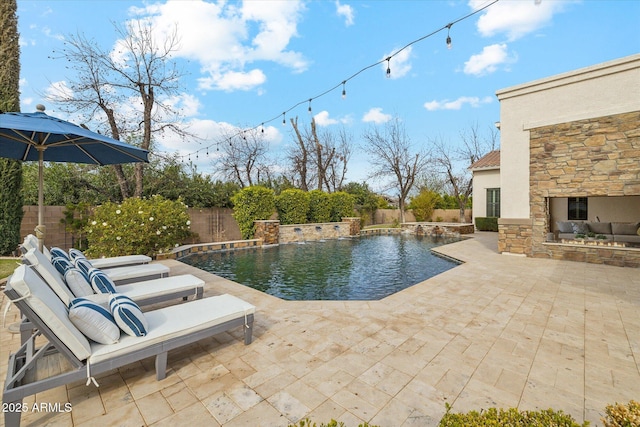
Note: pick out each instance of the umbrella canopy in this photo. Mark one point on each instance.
(39, 137)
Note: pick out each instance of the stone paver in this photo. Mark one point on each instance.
(495, 331)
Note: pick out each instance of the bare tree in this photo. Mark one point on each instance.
(243, 157)
(319, 158)
(124, 91)
(454, 162)
(392, 157)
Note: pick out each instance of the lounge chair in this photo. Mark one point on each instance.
(119, 275)
(31, 241)
(168, 328)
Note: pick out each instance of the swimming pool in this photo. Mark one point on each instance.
(364, 268)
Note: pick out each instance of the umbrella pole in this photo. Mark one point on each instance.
(40, 228)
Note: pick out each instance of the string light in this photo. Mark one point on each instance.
(388, 70)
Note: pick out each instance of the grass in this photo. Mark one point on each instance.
(7, 265)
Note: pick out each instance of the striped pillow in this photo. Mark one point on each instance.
(57, 252)
(83, 264)
(128, 315)
(61, 264)
(77, 282)
(101, 283)
(94, 321)
(75, 254)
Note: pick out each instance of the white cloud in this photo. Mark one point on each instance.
(457, 104)
(375, 115)
(515, 18)
(233, 80)
(322, 119)
(224, 37)
(346, 11)
(400, 64)
(487, 61)
(58, 90)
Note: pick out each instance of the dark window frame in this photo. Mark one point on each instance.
(493, 203)
(577, 208)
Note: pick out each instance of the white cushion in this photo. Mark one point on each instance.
(94, 321)
(128, 315)
(77, 282)
(44, 302)
(176, 321)
(120, 261)
(135, 271)
(51, 276)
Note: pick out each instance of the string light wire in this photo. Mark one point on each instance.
(354, 75)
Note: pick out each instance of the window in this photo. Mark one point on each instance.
(577, 208)
(493, 202)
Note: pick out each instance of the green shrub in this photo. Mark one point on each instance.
(342, 205)
(511, 417)
(424, 204)
(251, 204)
(137, 226)
(333, 423)
(621, 415)
(487, 223)
(11, 201)
(319, 207)
(292, 206)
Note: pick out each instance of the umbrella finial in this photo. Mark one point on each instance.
(40, 108)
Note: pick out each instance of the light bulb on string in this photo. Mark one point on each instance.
(448, 37)
(284, 119)
(344, 90)
(262, 128)
(389, 67)
(309, 109)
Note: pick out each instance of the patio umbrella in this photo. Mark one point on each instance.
(38, 136)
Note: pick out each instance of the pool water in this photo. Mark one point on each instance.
(365, 268)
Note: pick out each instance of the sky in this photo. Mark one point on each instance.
(248, 62)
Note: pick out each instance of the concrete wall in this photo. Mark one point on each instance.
(482, 180)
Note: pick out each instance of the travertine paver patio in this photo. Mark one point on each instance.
(496, 331)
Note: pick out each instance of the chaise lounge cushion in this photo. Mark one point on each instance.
(51, 310)
(176, 321)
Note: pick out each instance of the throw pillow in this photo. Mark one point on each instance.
(77, 282)
(57, 252)
(564, 227)
(83, 264)
(75, 253)
(101, 283)
(579, 228)
(61, 264)
(93, 321)
(128, 315)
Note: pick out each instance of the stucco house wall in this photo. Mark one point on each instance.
(482, 180)
(584, 123)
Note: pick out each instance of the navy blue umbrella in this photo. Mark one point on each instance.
(39, 137)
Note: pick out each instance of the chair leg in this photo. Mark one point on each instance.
(248, 333)
(12, 412)
(161, 366)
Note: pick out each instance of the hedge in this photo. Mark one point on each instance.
(487, 223)
(251, 204)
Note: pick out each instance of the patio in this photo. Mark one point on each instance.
(498, 330)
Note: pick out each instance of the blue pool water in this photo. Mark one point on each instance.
(365, 268)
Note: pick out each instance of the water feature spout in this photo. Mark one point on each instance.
(300, 234)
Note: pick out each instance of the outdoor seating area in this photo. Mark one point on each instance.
(497, 331)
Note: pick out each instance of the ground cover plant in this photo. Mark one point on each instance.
(621, 415)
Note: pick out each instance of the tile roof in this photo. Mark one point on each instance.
(489, 161)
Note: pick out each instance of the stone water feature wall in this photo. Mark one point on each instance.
(321, 231)
(438, 228)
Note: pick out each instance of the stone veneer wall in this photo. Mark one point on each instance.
(514, 237)
(268, 231)
(593, 157)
